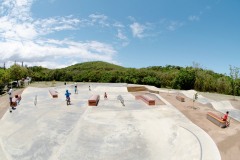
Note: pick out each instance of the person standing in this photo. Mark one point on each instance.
(75, 88)
(105, 95)
(10, 93)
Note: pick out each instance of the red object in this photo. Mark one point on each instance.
(93, 100)
(225, 117)
(146, 99)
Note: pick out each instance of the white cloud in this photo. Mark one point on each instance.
(120, 35)
(23, 38)
(99, 19)
(193, 18)
(49, 25)
(54, 51)
(18, 9)
(173, 25)
(137, 30)
(118, 25)
(123, 38)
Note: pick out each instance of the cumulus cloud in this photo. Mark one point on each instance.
(23, 38)
(57, 52)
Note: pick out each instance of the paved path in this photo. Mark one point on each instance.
(4, 101)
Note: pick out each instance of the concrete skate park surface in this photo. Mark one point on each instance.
(221, 106)
(43, 128)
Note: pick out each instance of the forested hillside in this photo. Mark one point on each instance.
(169, 76)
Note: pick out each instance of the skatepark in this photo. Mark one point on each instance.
(43, 127)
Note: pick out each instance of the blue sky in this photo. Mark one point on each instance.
(59, 33)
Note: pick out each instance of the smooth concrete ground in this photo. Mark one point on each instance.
(43, 127)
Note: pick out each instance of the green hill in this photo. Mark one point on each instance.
(95, 65)
(168, 76)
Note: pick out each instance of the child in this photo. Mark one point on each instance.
(225, 117)
(67, 94)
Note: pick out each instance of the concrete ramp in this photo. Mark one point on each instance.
(224, 106)
(190, 94)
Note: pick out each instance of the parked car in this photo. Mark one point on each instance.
(13, 84)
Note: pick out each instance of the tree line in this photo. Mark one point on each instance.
(168, 76)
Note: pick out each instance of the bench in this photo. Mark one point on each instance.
(180, 98)
(217, 120)
(146, 99)
(93, 100)
(53, 93)
(15, 100)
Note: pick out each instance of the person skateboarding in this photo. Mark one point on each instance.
(67, 94)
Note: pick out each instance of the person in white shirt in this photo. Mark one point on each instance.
(10, 93)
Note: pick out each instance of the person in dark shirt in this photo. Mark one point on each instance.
(105, 95)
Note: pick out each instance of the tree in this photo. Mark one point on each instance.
(17, 72)
(223, 85)
(4, 78)
(195, 97)
(185, 79)
(234, 74)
